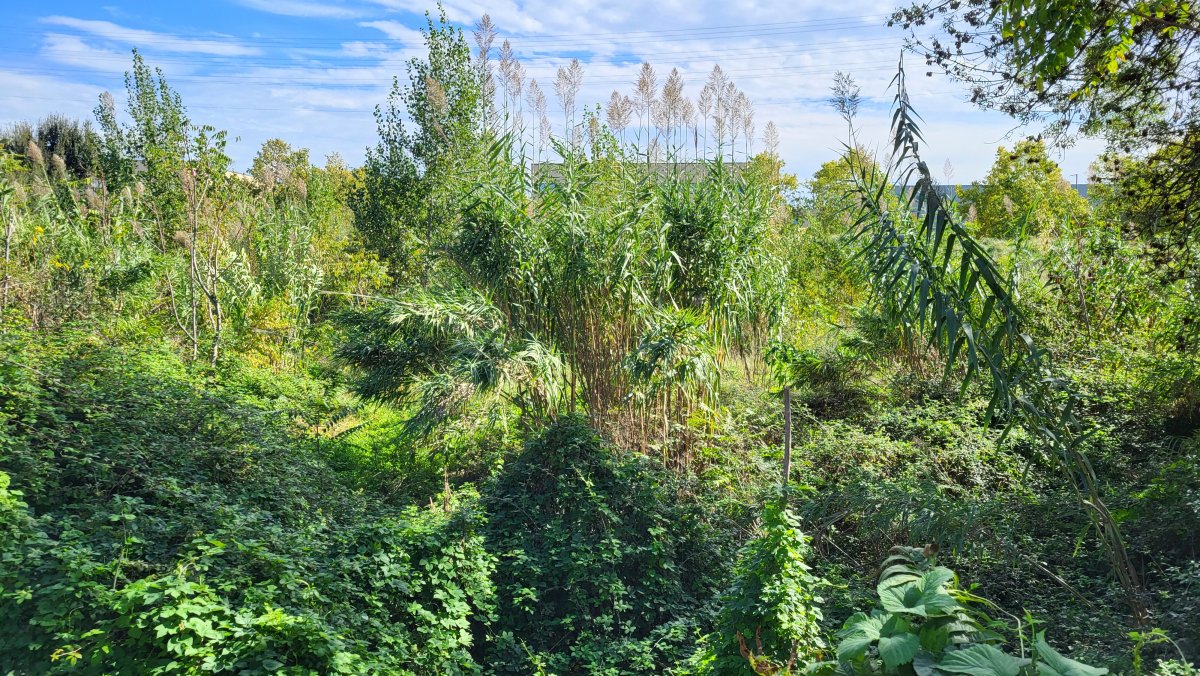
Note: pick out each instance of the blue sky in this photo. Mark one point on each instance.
(311, 72)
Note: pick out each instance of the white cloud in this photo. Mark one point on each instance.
(303, 8)
(72, 51)
(31, 97)
(783, 53)
(360, 48)
(397, 31)
(159, 41)
(507, 14)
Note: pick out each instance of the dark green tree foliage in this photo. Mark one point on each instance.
(428, 133)
(1117, 67)
(154, 145)
(1125, 69)
(602, 567)
(1023, 188)
(72, 140)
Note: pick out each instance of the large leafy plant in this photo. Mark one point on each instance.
(927, 625)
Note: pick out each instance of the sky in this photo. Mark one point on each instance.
(311, 72)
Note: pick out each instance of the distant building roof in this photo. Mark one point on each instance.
(951, 189)
(553, 170)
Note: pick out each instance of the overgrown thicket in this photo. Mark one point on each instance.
(509, 398)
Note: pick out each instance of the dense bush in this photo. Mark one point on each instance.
(770, 617)
(603, 568)
(153, 526)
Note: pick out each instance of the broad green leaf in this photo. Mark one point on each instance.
(925, 664)
(935, 638)
(981, 660)
(1051, 663)
(897, 644)
(925, 597)
(858, 634)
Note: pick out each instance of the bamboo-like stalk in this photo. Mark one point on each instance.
(911, 270)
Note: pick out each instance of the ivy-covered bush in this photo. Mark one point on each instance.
(603, 568)
(770, 616)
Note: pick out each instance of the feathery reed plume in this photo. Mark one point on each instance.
(512, 78)
(544, 129)
(107, 104)
(660, 119)
(672, 104)
(505, 66)
(771, 138)
(506, 60)
(704, 106)
(687, 118)
(845, 96)
(645, 91)
(566, 86)
(593, 130)
(718, 84)
(536, 99)
(436, 95)
(34, 153)
(485, 35)
(516, 80)
(731, 114)
(746, 114)
(92, 200)
(618, 112)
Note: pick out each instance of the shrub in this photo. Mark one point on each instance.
(770, 615)
(602, 567)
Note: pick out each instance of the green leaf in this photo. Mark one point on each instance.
(935, 638)
(858, 634)
(981, 660)
(925, 664)
(1051, 663)
(925, 597)
(897, 644)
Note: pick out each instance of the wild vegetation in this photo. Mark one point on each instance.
(605, 394)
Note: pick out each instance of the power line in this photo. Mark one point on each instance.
(797, 48)
(349, 75)
(301, 107)
(236, 40)
(536, 42)
(737, 76)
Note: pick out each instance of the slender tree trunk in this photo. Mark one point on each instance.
(428, 242)
(9, 226)
(192, 281)
(787, 435)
